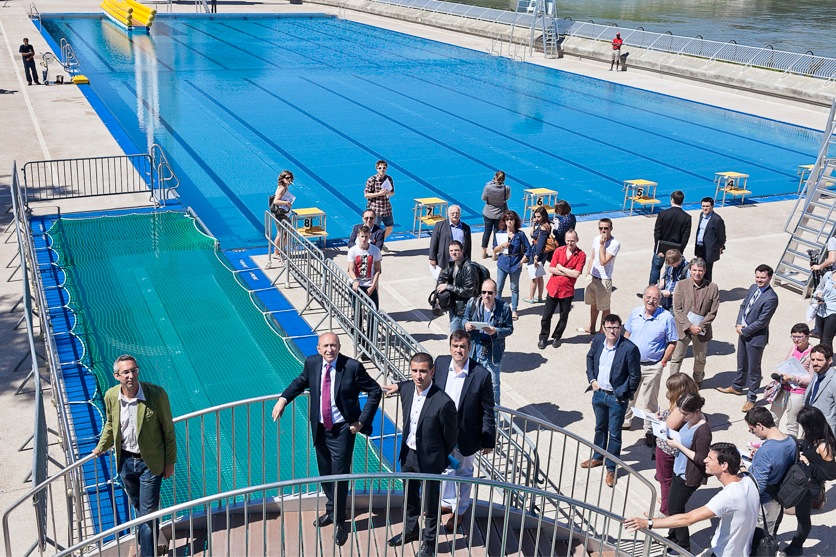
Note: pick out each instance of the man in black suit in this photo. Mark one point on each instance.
(673, 226)
(470, 387)
(335, 383)
(756, 311)
(444, 232)
(376, 233)
(613, 368)
(711, 236)
(430, 430)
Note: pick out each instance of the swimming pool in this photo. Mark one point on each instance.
(235, 99)
(152, 285)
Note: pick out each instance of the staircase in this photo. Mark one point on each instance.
(813, 219)
(544, 22)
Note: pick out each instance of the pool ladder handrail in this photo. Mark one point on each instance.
(34, 14)
(67, 57)
(165, 181)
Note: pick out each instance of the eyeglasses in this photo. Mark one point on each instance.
(511, 219)
(368, 218)
(603, 228)
(798, 337)
(382, 167)
(127, 372)
(651, 299)
(488, 292)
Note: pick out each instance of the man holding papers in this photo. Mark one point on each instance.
(695, 303)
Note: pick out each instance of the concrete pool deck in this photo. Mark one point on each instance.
(57, 122)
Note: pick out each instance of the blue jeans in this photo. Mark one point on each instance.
(488, 364)
(515, 285)
(609, 415)
(656, 269)
(457, 323)
(143, 489)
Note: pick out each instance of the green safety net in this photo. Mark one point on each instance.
(152, 285)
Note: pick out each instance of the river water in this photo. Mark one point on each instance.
(792, 25)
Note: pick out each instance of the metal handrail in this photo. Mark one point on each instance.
(269, 502)
(167, 181)
(67, 57)
(35, 14)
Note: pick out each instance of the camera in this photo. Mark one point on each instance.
(777, 377)
(814, 256)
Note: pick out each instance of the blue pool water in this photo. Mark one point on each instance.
(233, 100)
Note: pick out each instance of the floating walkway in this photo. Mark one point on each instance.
(129, 14)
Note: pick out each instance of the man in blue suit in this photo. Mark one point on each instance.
(335, 383)
(613, 368)
(752, 327)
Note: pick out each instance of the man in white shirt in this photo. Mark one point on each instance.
(364, 265)
(737, 506)
(600, 266)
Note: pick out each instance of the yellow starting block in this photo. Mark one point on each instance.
(641, 192)
(537, 197)
(427, 211)
(312, 222)
(731, 183)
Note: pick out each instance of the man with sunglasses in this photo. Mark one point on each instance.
(600, 266)
(139, 426)
(488, 321)
(376, 233)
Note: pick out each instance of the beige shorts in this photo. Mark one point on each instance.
(598, 293)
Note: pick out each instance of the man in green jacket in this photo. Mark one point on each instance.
(139, 425)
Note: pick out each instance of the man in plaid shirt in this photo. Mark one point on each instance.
(379, 188)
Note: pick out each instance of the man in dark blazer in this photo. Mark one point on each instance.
(673, 226)
(613, 368)
(430, 430)
(752, 326)
(470, 387)
(444, 232)
(335, 383)
(710, 237)
(376, 233)
(821, 392)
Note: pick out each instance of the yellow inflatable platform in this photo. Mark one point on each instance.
(129, 14)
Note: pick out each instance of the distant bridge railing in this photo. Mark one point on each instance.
(748, 56)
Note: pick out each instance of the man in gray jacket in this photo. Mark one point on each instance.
(821, 392)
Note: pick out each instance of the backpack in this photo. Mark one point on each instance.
(482, 274)
(795, 484)
(439, 302)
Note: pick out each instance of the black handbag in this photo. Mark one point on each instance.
(279, 211)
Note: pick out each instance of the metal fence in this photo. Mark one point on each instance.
(265, 520)
(99, 176)
(747, 56)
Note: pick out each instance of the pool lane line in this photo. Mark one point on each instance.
(528, 68)
(392, 164)
(478, 58)
(95, 52)
(171, 37)
(35, 124)
(236, 201)
(334, 191)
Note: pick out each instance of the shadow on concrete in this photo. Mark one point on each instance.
(733, 294)
(551, 413)
(515, 362)
(417, 316)
(424, 337)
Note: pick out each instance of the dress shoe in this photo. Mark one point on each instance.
(324, 520)
(591, 463)
(401, 539)
(748, 406)
(542, 344)
(446, 510)
(729, 391)
(340, 534)
(649, 439)
(555, 342)
(427, 549)
(610, 478)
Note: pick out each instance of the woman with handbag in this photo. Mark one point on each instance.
(541, 250)
(677, 385)
(511, 256)
(818, 450)
(787, 394)
(280, 203)
(495, 194)
(689, 465)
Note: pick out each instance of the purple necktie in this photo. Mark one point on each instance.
(327, 419)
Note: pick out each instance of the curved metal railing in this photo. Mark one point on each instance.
(271, 516)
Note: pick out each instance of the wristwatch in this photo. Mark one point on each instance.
(650, 524)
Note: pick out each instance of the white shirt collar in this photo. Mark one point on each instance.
(139, 396)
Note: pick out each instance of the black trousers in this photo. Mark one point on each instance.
(677, 499)
(31, 71)
(827, 329)
(334, 451)
(564, 306)
(699, 251)
(491, 225)
(802, 515)
(431, 492)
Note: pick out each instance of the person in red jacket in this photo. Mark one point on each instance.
(616, 51)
